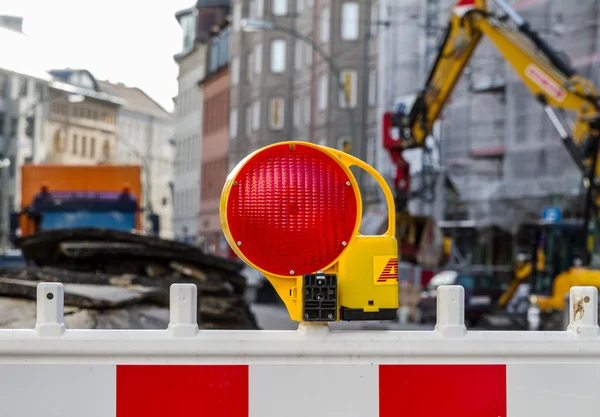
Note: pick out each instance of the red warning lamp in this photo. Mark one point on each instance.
(292, 210)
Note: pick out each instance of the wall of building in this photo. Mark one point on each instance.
(81, 133)
(23, 126)
(215, 156)
(282, 89)
(188, 113)
(146, 140)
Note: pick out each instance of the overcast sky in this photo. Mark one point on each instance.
(128, 41)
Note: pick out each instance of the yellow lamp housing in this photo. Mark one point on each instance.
(266, 216)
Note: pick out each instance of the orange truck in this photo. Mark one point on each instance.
(74, 196)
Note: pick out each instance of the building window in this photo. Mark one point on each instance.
(278, 56)
(279, 7)
(187, 24)
(372, 87)
(106, 150)
(237, 16)
(59, 141)
(323, 92)
(248, 120)
(235, 71)
(325, 24)
(307, 108)
(349, 80)
(213, 63)
(350, 21)
(3, 85)
(249, 66)
(75, 144)
(276, 113)
(39, 90)
(233, 123)
(260, 8)
(23, 84)
(298, 54)
(258, 58)
(308, 50)
(84, 146)
(256, 115)
(93, 147)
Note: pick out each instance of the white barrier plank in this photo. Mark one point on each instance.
(57, 390)
(553, 390)
(324, 390)
(312, 371)
(339, 390)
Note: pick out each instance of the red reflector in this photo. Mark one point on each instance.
(292, 209)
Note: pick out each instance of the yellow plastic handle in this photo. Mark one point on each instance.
(350, 161)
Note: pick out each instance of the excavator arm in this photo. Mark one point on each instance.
(548, 76)
(545, 72)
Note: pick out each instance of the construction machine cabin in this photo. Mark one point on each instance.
(76, 196)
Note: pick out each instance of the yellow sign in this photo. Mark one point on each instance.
(385, 270)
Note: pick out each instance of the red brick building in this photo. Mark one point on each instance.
(215, 142)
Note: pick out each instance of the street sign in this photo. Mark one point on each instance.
(552, 214)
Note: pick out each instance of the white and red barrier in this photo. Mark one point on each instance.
(183, 371)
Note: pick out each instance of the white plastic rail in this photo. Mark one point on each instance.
(182, 371)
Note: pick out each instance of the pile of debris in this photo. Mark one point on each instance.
(116, 279)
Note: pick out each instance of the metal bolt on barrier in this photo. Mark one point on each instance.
(451, 311)
(183, 310)
(50, 309)
(583, 311)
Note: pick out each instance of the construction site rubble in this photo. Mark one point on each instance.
(116, 279)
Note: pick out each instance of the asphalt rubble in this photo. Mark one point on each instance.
(121, 280)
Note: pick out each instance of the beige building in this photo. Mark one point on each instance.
(82, 125)
(145, 137)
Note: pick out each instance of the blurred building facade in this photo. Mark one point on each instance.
(215, 141)
(197, 23)
(23, 116)
(82, 119)
(282, 89)
(145, 137)
(497, 147)
(188, 109)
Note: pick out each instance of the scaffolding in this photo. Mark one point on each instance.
(498, 149)
(502, 152)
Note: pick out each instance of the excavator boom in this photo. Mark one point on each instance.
(546, 73)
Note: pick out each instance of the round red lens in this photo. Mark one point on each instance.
(291, 208)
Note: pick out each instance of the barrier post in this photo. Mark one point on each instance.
(50, 309)
(583, 311)
(451, 311)
(183, 310)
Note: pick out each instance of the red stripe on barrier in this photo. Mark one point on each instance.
(442, 390)
(182, 390)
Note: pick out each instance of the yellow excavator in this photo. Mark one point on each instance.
(565, 252)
